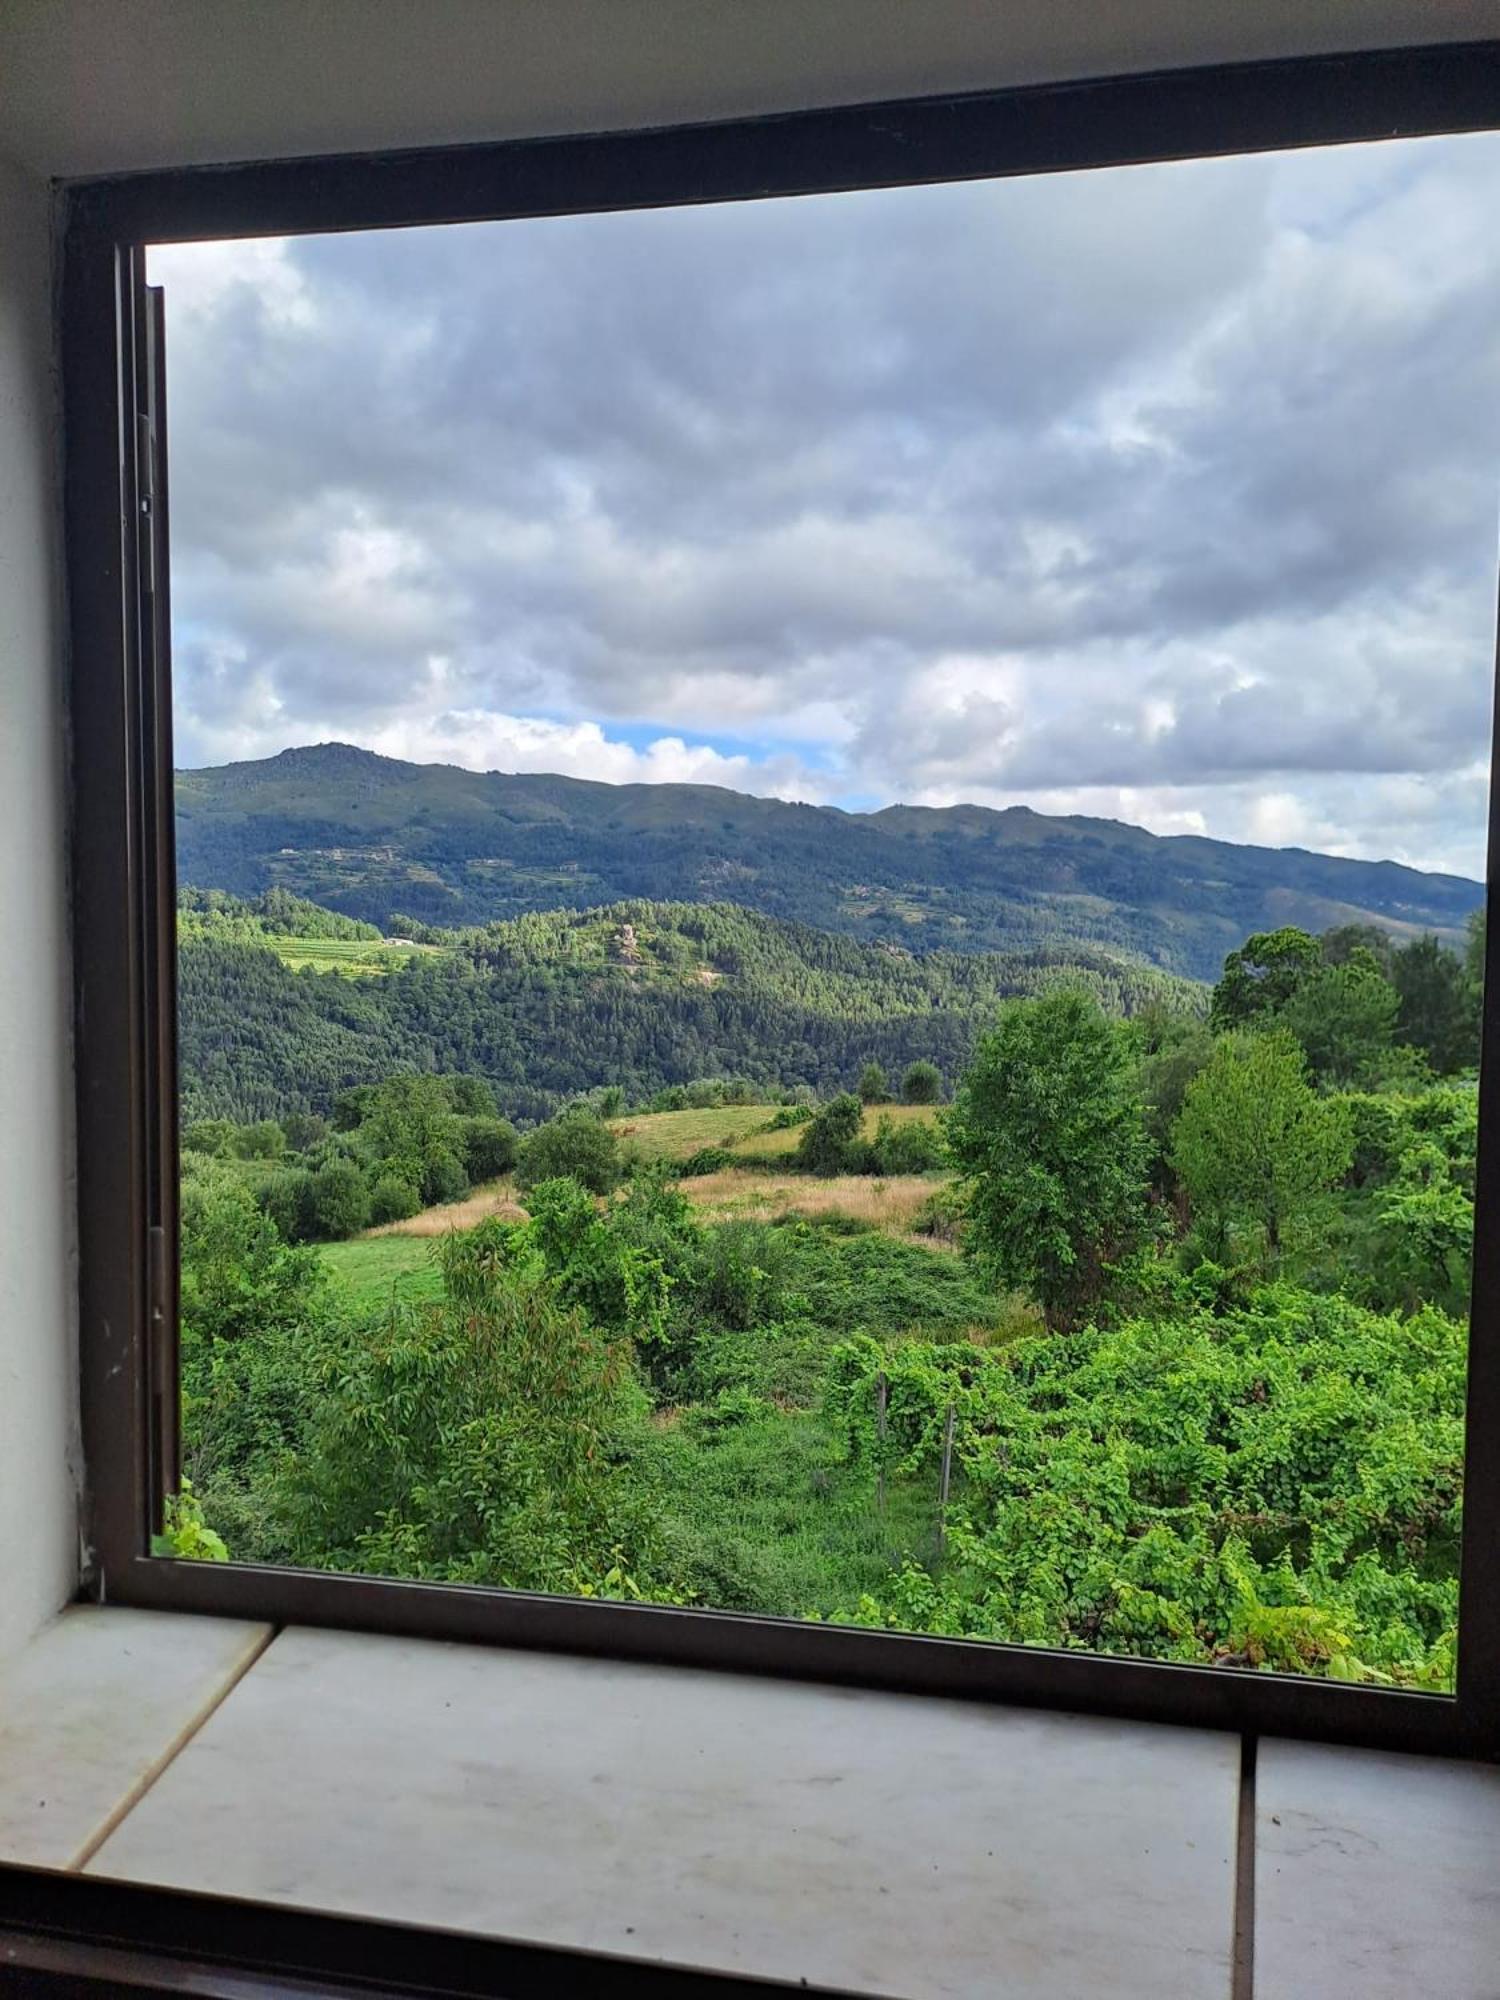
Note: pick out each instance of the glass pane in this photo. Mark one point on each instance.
(831, 862)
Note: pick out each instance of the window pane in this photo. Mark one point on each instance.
(831, 909)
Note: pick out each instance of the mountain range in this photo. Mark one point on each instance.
(399, 844)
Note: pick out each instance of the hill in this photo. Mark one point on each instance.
(379, 840)
(551, 1004)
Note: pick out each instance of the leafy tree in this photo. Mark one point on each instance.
(407, 1127)
(1178, 1048)
(828, 1137)
(240, 1278)
(1046, 1129)
(1262, 976)
(1437, 1010)
(1347, 941)
(473, 1440)
(1424, 1235)
(263, 1141)
(1344, 1016)
(213, 1137)
(911, 1147)
(304, 1130)
(873, 1088)
(1255, 1140)
(576, 1146)
(922, 1084)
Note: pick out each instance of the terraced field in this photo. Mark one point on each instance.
(355, 958)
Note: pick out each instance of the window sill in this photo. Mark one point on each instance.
(887, 1844)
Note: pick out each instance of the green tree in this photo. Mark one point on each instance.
(922, 1084)
(473, 1440)
(1346, 941)
(576, 1146)
(239, 1276)
(1344, 1016)
(1262, 976)
(1255, 1140)
(1047, 1132)
(1438, 1014)
(873, 1087)
(1424, 1233)
(829, 1136)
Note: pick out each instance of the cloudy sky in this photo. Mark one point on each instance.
(1167, 493)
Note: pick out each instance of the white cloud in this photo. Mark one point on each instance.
(1168, 494)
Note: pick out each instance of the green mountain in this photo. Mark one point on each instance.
(378, 839)
(554, 1003)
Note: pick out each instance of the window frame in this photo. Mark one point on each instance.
(124, 935)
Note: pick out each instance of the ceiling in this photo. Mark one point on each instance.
(100, 86)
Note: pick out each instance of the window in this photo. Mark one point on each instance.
(378, 1110)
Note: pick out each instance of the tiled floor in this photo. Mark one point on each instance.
(879, 1843)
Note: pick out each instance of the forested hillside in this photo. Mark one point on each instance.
(639, 994)
(382, 840)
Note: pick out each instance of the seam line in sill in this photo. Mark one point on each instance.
(254, 1650)
(1242, 1983)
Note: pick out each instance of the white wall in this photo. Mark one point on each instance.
(38, 1373)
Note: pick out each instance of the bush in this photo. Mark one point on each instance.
(444, 1178)
(575, 1146)
(393, 1199)
(709, 1160)
(283, 1196)
(922, 1084)
(335, 1202)
(489, 1147)
(825, 1145)
(788, 1116)
(910, 1148)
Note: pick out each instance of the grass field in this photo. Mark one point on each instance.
(376, 1269)
(677, 1135)
(355, 958)
(774, 1145)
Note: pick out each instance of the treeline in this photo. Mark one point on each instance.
(548, 1006)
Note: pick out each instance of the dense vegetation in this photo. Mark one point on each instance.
(1111, 1321)
(644, 995)
(376, 838)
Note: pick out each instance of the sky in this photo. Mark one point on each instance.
(1168, 494)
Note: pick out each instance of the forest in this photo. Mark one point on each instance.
(680, 1253)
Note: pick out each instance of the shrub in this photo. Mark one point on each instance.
(283, 1196)
(576, 1146)
(827, 1139)
(922, 1084)
(393, 1199)
(335, 1202)
(709, 1160)
(489, 1147)
(443, 1178)
(910, 1148)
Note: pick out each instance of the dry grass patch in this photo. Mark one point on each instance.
(494, 1198)
(891, 1206)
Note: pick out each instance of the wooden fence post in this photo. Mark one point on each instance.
(880, 1403)
(943, 1486)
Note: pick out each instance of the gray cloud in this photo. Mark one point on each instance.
(1169, 492)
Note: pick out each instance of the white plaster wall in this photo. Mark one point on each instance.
(38, 1373)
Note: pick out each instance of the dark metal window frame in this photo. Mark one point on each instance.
(122, 852)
